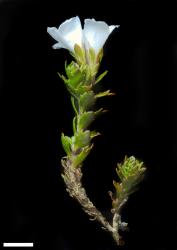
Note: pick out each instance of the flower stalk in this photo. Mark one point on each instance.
(86, 46)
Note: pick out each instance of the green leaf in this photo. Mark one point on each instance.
(73, 101)
(99, 56)
(67, 70)
(63, 78)
(86, 71)
(75, 80)
(130, 184)
(74, 124)
(131, 166)
(69, 87)
(71, 69)
(78, 159)
(87, 100)
(85, 119)
(119, 189)
(72, 91)
(74, 74)
(80, 139)
(92, 56)
(81, 89)
(100, 77)
(79, 54)
(99, 112)
(130, 172)
(105, 93)
(66, 142)
(94, 134)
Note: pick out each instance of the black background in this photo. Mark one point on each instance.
(141, 57)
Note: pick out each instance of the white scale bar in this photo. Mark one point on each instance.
(5, 244)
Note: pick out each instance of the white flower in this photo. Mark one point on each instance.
(70, 32)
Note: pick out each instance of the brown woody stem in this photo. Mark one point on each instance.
(72, 177)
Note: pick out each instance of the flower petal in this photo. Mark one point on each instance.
(68, 34)
(96, 33)
(112, 27)
(58, 46)
(53, 32)
(71, 33)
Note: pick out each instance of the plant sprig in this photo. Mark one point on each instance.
(80, 82)
(81, 75)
